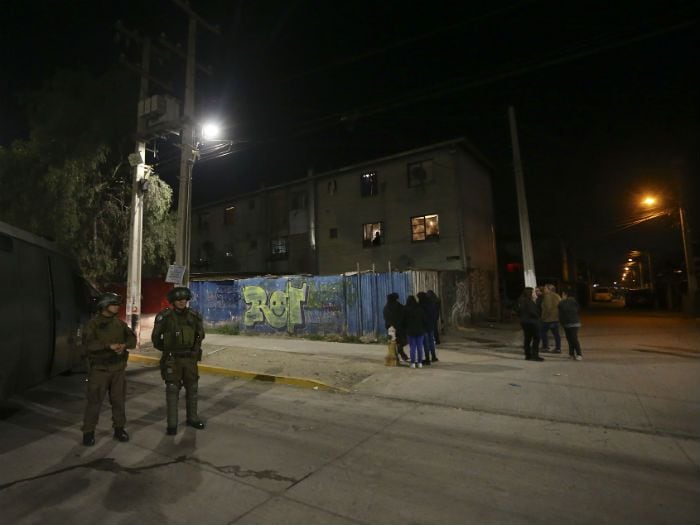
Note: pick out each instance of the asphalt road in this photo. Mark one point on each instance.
(486, 438)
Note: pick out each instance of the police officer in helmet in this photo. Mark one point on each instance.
(178, 333)
(106, 339)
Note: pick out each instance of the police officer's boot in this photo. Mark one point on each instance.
(120, 434)
(191, 398)
(88, 439)
(172, 392)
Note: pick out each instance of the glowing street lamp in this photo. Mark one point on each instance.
(211, 131)
(651, 201)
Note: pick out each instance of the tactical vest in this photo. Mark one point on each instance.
(180, 332)
(107, 332)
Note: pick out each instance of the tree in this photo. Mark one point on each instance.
(70, 182)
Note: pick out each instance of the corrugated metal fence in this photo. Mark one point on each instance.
(350, 304)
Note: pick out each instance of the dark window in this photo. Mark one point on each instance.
(419, 173)
(368, 184)
(299, 200)
(251, 204)
(229, 215)
(253, 245)
(372, 234)
(279, 246)
(333, 233)
(5, 243)
(425, 227)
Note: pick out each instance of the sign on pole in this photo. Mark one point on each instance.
(175, 274)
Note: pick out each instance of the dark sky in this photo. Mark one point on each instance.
(606, 95)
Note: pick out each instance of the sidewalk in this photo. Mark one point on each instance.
(318, 364)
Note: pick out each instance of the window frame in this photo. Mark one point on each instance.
(373, 185)
(369, 242)
(426, 237)
(429, 176)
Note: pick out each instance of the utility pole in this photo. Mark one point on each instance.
(137, 161)
(189, 150)
(689, 262)
(525, 239)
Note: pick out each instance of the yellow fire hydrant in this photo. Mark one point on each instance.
(391, 358)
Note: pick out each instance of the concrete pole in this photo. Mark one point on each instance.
(689, 262)
(187, 159)
(133, 286)
(525, 239)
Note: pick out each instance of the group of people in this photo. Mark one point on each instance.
(178, 333)
(415, 324)
(541, 310)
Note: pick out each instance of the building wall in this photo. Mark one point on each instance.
(340, 205)
(321, 220)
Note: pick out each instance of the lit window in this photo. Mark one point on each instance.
(425, 227)
(229, 215)
(368, 184)
(279, 246)
(419, 173)
(372, 234)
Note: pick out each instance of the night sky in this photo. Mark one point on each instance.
(606, 96)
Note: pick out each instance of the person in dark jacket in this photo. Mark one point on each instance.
(530, 321)
(438, 306)
(429, 322)
(415, 329)
(569, 319)
(107, 341)
(394, 316)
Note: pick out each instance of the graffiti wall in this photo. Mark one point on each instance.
(350, 305)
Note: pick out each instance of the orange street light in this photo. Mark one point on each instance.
(649, 200)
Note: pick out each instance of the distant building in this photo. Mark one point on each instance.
(429, 208)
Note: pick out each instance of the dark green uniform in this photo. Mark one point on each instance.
(179, 334)
(106, 368)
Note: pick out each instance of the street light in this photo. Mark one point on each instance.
(204, 143)
(650, 201)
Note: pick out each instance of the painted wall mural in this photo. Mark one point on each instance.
(349, 305)
(278, 309)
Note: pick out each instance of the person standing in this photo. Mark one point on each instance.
(415, 329)
(106, 339)
(178, 333)
(438, 307)
(570, 320)
(530, 321)
(429, 323)
(550, 317)
(394, 316)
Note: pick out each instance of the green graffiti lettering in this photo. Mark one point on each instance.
(296, 296)
(256, 297)
(277, 317)
(282, 308)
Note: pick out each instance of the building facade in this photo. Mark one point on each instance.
(429, 208)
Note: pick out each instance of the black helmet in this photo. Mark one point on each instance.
(179, 292)
(107, 299)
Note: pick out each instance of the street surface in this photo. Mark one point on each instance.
(483, 436)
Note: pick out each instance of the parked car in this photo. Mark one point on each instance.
(640, 298)
(602, 294)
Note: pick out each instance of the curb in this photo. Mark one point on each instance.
(244, 374)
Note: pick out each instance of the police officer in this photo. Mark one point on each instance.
(106, 340)
(178, 333)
